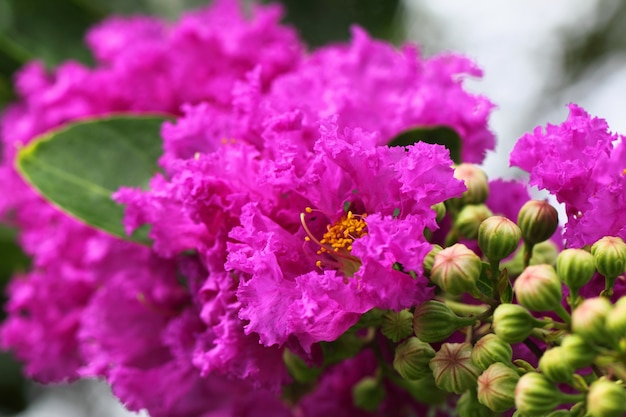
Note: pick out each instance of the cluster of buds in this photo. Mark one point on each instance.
(503, 288)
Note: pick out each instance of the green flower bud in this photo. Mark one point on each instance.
(433, 321)
(496, 387)
(554, 367)
(606, 399)
(453, 368)
(538, 288)
(469, 219)
(544, 253)
(440, 209)
(576, 351)
(616, 320)
(476, 182)
(609, 254)
(535, 395)
(575, 268)
(368, 394)
(429, 260)
(491, 349)
(412, 359)
(397, 326)
(456, 269)
(589, 320)
(513, 323)
(538, 221)
(498, 237)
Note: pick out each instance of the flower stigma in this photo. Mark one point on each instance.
(335, 246)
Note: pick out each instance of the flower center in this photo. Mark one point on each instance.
(335, 246)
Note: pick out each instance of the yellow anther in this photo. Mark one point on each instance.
(308, 210)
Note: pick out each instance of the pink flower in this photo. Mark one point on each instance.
(579, 163)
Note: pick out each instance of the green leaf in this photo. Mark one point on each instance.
(439, 135)
(78, 167)
(484, 283)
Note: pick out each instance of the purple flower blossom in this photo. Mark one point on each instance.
(378, 200)
(579, 163)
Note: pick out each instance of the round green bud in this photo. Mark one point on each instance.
(609, 254)
(469, 219)
(429, 260)
(616, 320)
(576, 351)
(468, 406)
(538, 221)
(368, 394)
(433, 321)
(476, 182)
(606, 399)
(535, 395)
(440, 210)
(544, 253)
(496, 387)
(453, 368)
(554, 367)
(397, 325)
(575, 267)
(513, 323)
(456, 269)
(498, 237)
(412, 359)
(538, 288)
(491, 349)
(589, 320)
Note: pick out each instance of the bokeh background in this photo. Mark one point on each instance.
(537, 57)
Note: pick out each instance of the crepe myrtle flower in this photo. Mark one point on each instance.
(360, 244)
(582, 164)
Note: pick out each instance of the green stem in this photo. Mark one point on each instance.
(572, 398)
(465, 309)
(563, 314)
(494, 267)
(528, 253)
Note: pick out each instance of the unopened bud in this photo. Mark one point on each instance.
(589, 320)
(440, 210)
(469, 219)
(496, 387)
(476, 182)
(513, 323)
(576, 351)
(616, 320)
(535, 395)
(412, 359)
(456, 269)
(453, 368)
(609, 254)
(429, 259)
(538, 221)
(554, 367)
(491, 349)
(606, 399)
(368, 394)
(538, 288)
(575, 268)
(397, 325)
(433, 321)
(498, 237)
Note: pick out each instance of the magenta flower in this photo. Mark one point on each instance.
(369, 84)
(581, 166)
(359, 242)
